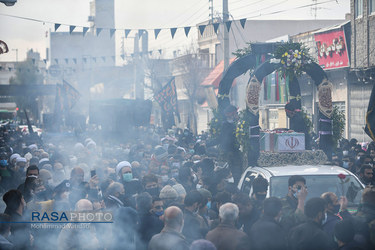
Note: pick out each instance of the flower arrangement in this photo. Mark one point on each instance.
(293, 57)
(338, 125)
(242, 129)
(308, 157)
(215, 124)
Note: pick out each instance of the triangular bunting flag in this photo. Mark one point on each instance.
(160, 51)
(57, 61)
(140, 33)
(75, 60)
(84, 30)
(113, 58)
(94, 59)
(71, 28)
(84, 60)
(98, 30)
(173, 31)
(103, 58)
(201, 29)
(123, 57)
(243, 22)
(216, 26)
(57, 25)
(156, 31)
(228, 25)
(66, 60)
(187, 29)
(111, 32)
(127, 33)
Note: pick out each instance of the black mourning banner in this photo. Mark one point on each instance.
(167, 97)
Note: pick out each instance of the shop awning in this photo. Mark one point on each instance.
(215, 75)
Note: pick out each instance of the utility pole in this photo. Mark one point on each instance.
(226, 34)
(16, 54)
(211, 9)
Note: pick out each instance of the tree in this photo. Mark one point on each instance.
(193, 70)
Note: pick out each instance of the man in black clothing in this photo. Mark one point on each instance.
(310, 234)
(228, 142)
(192, 228)
(260, 188)
(148, 224)
(248, 213)
(366, 174)
(266, 233)
(336, 211)
(20, 232)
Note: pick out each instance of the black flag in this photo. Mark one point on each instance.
(167, 98)
(370, 116)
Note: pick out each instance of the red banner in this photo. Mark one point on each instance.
(332, 49)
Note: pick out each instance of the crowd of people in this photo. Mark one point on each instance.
(169, 190)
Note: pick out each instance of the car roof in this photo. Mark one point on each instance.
(289, 170)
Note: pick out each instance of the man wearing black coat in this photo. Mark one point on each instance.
(148, 224)
(310, 235)
(266, 233)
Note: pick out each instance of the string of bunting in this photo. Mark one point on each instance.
(86, 59)
(140, 32)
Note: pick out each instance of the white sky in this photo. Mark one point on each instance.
(143, 14)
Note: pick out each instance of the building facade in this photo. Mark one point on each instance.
(362, 64)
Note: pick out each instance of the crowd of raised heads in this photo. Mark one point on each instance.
(168, 190)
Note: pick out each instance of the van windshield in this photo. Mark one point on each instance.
(319, 184)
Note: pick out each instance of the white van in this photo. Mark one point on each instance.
(319, 179)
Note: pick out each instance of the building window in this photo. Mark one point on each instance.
(358, 8)
(273, 118)
(371, 7)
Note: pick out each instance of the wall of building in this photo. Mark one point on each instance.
(358, 100)
(363, 37)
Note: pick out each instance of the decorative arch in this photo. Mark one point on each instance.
(293, 107)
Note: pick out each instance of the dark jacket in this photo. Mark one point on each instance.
(332, 219)
(267, 234)
(192, 227)
(308, 235)
(148, 226)
(20, 232)
(5, 244)
(168, 240)
(248, 222)
(227, 237)
(351, 246)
